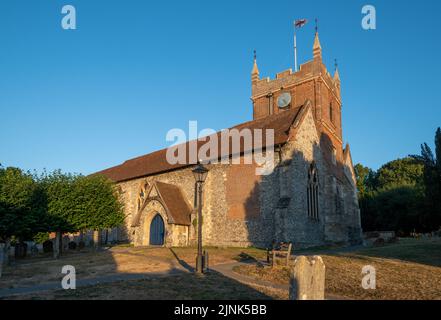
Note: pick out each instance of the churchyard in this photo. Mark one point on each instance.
(409, 269)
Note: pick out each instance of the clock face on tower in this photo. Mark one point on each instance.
(284, 100)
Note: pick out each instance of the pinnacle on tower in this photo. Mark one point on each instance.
(317, 48)
(255, 72)
(336, 74)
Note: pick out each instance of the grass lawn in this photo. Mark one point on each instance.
(408, 270)
(212, 286)
(116, 260)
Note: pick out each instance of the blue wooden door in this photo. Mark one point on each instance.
(157, 231)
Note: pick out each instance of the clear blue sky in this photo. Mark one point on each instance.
(88, 99)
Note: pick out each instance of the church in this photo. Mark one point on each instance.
(309, 198)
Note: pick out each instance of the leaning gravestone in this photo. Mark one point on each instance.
(307, 279)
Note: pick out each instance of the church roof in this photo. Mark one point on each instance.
(156, 162)
(177, 207)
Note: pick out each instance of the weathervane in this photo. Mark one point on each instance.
(316, 25)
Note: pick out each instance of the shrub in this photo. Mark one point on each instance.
(48, 246)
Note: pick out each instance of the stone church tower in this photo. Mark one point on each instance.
(309, 199)
(312, 82)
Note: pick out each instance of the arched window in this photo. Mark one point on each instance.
(312, 193)
(331, 113)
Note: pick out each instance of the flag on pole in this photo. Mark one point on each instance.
(297, 25)
(300, 23)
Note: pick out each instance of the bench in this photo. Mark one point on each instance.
(282, 249)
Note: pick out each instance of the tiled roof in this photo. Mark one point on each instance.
(156, 162)
(177, 207)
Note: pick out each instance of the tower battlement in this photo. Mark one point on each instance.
(288, 78)
(291, 89)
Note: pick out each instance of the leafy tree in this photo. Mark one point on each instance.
(397, 208)
(432, 181)
(366, 179)
(400, 172)
(97, 202)
(60, 201)
(79, 203)
(21, 204)
(32, 205)
(391, 198)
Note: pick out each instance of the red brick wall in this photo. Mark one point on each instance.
(242, 188)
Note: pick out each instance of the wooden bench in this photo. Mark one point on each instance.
(282, 249)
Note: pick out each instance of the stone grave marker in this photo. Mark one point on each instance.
(307, 280)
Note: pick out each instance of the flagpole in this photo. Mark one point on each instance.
(295, 49)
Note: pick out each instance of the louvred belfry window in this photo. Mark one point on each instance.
(312, 194)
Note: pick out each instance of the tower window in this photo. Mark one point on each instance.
(331, 113)
(270, 103)
(312, 193)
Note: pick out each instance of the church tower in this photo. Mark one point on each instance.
(291, 89)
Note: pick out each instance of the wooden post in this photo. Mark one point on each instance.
(307, 279)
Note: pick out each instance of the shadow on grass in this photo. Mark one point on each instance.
(422, 251)
(184, 264)
(99, 277)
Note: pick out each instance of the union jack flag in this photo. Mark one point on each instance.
(300, 23)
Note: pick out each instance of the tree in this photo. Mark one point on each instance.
(400, 172)
(98, 203)
(365, 179)
(60, 199)
(21, 204)
(391, 198)
(79, 203)
(432, 181)
(397, 209)
(60, 205)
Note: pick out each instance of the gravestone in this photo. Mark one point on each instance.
(29, 246)
(34, 250)
(40, 247)
(21, 249)
(97, 239)
(11, 254)
(307, 279)
(57, 245)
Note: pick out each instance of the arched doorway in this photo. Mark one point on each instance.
(157, 231)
